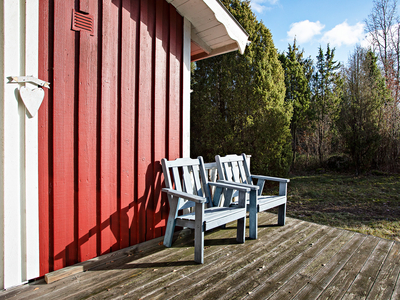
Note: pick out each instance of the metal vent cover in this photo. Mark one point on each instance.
(82, 22)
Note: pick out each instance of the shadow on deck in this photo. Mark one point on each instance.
(300, 260)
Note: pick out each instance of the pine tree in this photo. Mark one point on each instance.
(238, 101)
(361, 118)
(297, 90)
(326, 95)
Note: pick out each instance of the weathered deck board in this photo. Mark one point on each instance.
(273, 263)
(231, 277)
(300, 260)
(302, 278)
(320, 282)
(364, 280)
(386, 280)
(213, 274)
(303, 259)
(345, 278)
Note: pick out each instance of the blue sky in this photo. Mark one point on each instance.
(315, 22)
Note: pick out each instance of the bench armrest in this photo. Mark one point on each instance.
(240, 185)
(270, 178)
(231, 185)
(187, 196)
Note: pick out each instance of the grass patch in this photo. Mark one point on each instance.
(368, 204)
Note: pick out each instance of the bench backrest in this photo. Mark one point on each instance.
(234, 168)
(186, 175)
(211, 171)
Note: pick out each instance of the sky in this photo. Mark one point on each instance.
(314, 23)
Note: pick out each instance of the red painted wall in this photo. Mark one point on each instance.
(113, 111)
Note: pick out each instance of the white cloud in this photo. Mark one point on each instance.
(304, 31)
(344, 34)
(262, 5)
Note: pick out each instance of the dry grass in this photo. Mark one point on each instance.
(368, 204)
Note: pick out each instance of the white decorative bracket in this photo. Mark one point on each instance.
(31, 79)
(32, 98)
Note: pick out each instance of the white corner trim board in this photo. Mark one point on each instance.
(19, 246)
(187, 29)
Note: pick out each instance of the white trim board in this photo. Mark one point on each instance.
(187, 29)
(19, 248)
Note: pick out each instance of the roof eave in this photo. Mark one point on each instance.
(235, 37)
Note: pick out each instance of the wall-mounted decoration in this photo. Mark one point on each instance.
(32, 98)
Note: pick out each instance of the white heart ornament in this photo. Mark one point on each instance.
(32, 99)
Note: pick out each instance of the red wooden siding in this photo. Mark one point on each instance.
(113, 111)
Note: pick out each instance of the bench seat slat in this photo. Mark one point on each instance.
(211, 213)
(270, 202)
(213, 217)
(266, 202)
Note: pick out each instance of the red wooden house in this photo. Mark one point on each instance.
(83, 177)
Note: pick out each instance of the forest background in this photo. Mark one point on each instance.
(293, 113)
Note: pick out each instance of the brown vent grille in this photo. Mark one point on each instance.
(82, 22)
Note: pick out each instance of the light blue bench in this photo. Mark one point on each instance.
(234, 169)
(187, 186)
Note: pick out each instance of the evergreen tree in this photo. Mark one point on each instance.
(237, 104)
(297, 75)
(326, 95)
(364, 96)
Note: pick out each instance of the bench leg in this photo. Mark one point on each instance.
(282, 214)
(199, 234)
(169, 231)
(241, 223)
(282, 208)
(253, 221)
(241, 230)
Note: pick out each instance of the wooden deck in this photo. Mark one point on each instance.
(300, 260)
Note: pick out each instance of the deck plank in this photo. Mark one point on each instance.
(106, 275)
(317, 285)
(255, 284)
(291, 269)
(346, 277)
(217, 271)
(300, 280)
(396, 290)
(365, 279)
(300, 260)
(133, 274)
(147, 270)
(245, 278)
(344, 280)
(386, 280)
(183, 272)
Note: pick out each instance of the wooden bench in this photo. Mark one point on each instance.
(187, 186)
(235, 169)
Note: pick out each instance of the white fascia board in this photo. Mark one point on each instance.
(233, 28)
(215, 11)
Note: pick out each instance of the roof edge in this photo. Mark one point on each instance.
(221, 14)
(231, 25)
